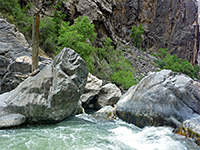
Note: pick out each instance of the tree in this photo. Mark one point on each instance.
(35, 35)
(137, 35)
(35, 40)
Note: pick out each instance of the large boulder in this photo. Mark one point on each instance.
(162, 98)
(51, 95)
(15, 57)
(98, 94)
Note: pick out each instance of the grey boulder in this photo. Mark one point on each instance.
(162, 98)
(91, 91)
(109, 95)
(12, 120)
(98, 94)
(52, 95)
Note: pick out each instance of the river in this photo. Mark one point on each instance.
(83, 132)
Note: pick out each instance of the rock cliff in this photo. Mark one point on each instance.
(171, 24)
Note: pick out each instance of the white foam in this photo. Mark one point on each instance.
(149, 138)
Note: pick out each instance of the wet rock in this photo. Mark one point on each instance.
(106, 113)
(79, 109)
(53, 94)
(162, 98)
(12, 120)
(190, 129)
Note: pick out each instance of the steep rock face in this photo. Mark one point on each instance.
(15, 57)
(169, 24)
(51, 95)
(162, 98)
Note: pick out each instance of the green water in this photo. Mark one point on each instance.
(83, 132)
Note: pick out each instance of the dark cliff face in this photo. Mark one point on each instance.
(171, 24)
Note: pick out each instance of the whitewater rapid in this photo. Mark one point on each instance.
(83, 132)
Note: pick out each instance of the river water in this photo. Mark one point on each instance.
(83, 132)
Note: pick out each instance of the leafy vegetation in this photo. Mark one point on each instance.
(120, 69)
(48, 35)
(49, 29)
(172, 62)
(17, 14)
(136, 34)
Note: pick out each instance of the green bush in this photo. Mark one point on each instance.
(120, 69)
(124, 78)
(59, 16)
(136, 34)
(16, 14)
(172, 62)
(48, 35)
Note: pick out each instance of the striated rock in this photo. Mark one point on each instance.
(52, 95)
(162, 98)
(171, 24)
(97, 95)
(4, 62)
(15, 57)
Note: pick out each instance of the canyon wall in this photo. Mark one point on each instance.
(171, 24)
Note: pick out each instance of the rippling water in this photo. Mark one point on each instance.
(83, 132)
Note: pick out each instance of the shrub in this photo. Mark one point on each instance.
(120, 69)
(12, 10)
(136, 34)
(48, 35)
(124, 78)
(59, 16)
(172, 62)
